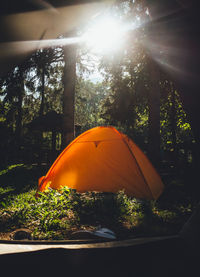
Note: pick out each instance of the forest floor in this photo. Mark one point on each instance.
(57, 215)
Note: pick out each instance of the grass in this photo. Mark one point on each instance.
(56, 215)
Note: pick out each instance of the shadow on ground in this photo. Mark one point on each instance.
(19, 178)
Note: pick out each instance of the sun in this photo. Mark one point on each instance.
(104, 35)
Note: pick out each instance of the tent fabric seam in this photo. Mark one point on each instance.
(101, 140)
(132, 154)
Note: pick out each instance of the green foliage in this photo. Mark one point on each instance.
(88, 103)
(43, 81)
(56, 214)
(43, 214)
(174, 119)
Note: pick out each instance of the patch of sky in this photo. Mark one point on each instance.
(89, 68)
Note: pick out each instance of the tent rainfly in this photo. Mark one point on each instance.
(104, 159)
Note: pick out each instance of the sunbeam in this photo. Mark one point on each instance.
(9, 49)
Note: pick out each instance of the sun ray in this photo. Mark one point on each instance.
(106, 34)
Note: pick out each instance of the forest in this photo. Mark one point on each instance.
(62, 90)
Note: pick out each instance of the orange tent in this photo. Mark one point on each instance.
(104, 159)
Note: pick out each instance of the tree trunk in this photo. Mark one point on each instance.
(173, 120)
(154, 113)
(18, 131)
(41, 112)
(175, 31)
(19, 113)
(53, 145)
(69, 79)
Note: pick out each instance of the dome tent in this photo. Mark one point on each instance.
(104, 159)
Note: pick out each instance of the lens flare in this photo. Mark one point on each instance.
(105, 35)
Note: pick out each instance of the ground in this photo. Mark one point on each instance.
(57, 215)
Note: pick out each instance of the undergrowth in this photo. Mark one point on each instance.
(57, 214)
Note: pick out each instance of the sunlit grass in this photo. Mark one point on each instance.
(56, 215)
